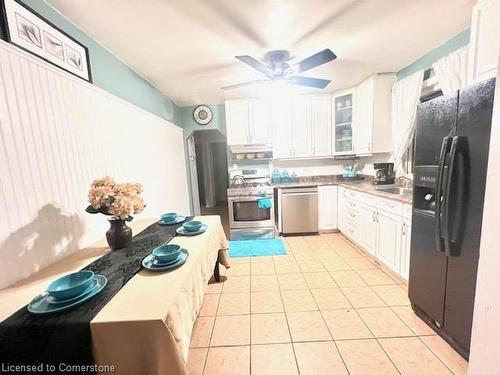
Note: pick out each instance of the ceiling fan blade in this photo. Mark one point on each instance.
(307, 81)
(243, 84)
(315, 60)
(256, 64)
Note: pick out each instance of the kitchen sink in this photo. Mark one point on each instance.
(395, 190)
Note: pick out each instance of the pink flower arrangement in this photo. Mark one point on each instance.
(118, 200)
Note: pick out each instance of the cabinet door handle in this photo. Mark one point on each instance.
(403, 229)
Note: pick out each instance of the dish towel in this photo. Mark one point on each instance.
(264, 203)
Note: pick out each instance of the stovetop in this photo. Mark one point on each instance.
(250, 185)
(250, 188)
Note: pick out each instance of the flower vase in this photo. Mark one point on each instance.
(119, 234)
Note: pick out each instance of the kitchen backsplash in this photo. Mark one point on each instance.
(321, 167)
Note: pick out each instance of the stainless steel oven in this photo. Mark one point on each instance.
(244, 211)
(246, 219)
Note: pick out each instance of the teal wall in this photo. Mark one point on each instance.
(426, 61)
(109, 73)
(218, 121)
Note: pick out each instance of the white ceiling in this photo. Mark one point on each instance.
(186, 48)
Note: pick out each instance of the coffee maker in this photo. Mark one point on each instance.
(384, 173)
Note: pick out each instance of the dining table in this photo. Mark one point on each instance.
(145, 329)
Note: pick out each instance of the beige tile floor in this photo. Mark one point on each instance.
(324, 308)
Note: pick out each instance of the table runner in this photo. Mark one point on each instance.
(65, 337)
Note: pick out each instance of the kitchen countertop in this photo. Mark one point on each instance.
(364, 186)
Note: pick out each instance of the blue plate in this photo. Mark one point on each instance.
(158, 263)
(41, 305)
(178, 219)
(58, 301)
(150, 263)
(184, 232)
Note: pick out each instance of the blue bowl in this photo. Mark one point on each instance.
(192, 226)
(166, 253)
(71, 285)
(170, 216)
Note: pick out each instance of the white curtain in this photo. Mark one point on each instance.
(405, 97)
(451, 70)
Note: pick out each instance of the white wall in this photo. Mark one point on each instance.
(485, 345)
(57, 134)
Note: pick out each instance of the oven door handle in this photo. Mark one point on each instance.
(247, 199)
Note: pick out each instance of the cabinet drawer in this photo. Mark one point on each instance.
(390, 206)
(351, 230)
(351, 205)
(351, 215)
(348, 193)
(367, 199)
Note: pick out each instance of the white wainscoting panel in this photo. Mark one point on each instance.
(57, 134)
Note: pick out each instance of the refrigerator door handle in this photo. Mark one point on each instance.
(439, 188)
(456, 166)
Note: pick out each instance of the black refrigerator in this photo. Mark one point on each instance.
(451, 156)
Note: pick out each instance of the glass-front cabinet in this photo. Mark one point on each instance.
(343, 104)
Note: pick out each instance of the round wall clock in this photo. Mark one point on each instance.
(202, 114)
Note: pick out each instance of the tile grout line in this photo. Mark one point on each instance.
(376, 339)
(309, 289)
(432, 351)
(212, 330)
(313, 341)
(286, 318)
(355, 310)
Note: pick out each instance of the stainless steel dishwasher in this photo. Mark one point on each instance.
(299, 210)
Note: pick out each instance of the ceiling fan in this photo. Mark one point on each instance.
(276, 68)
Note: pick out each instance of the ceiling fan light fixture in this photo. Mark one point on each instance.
(277, 69)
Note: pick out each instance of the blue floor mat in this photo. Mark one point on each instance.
(251, 248)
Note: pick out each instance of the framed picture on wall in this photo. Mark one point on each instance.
(28, 30)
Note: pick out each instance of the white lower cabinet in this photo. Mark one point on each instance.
(380, 226)
(404, 263)
(368, 236)
(327, 207)
(389, 239)
(340, 209)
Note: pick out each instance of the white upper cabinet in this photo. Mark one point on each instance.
(281, 120)
(237, 122)
(260, 131)
(247, 121)
(372, 128)
(363, 131)
(484, 40)
(301, 127)
(343, 118)
(321, 125)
